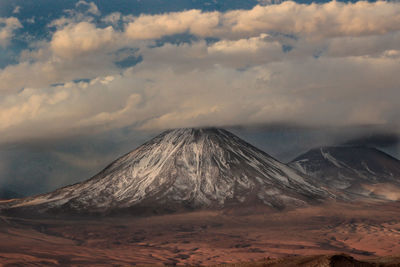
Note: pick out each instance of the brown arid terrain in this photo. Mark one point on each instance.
(367, 233)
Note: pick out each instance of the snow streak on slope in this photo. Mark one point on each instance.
(185, 168)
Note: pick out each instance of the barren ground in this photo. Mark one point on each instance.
(364, 231)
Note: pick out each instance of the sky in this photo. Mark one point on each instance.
(82, 82)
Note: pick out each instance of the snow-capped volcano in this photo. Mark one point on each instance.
(184, 168)
(356, 171)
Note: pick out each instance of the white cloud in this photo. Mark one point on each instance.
(7, 28)
(332, 19)
(247, 45)
(30, 20)
(156, 26)
(301, 92)
(270, 2)
(16, 10)
(91, 7)
(112, 18)
(81, 38)
(319, 20)
(83, 12)
(32, 106)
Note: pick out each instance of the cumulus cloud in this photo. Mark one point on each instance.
(317, 20)
(33, 105)
(156, 26)
(7, 28)
(163, 97)
(82, 38)
(321, 20)
(310, 64)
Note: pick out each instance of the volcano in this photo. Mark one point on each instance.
(181, 169)
(356, 171)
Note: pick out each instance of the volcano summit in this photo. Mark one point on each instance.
(183, 169)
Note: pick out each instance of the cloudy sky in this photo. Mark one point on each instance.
(83, 81)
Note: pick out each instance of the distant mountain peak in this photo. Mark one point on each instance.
(354, 169)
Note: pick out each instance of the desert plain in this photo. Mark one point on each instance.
(365, 231)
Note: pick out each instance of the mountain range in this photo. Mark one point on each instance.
(211, 168)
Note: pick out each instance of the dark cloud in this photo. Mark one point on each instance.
(286, 142)
(375, 140)
(40, 165)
